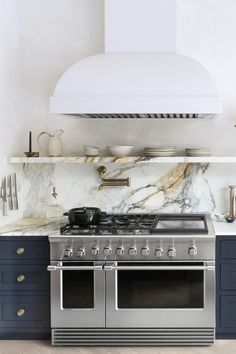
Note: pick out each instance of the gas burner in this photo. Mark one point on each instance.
(114, 224)
(122, 221)
(77, 230)
(125, 219)
(105, 221)
(142, 224)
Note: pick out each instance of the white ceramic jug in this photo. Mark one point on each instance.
(55, 148)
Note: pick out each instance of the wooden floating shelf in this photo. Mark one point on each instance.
(121, 160)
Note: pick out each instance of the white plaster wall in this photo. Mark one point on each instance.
(11, 93)
(207, 32)
(57, 33)
(41, 39)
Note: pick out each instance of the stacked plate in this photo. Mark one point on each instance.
(91, 151)
(195, 152)
(160, 151)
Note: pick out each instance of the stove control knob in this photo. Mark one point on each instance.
(132, 251)
(145, 251)
(159, 252)
(119, 251)
(171, 252)
(80, 253)
(192, 251)
(107, 251)
(68, 253)
(94, 251)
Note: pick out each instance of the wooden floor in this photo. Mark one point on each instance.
(44, 347)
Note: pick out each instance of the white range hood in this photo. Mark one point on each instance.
(140, 75)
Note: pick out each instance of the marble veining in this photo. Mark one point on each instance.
(154, 188)
(36, 184)
(33, 227)
(182, 189)
(121, 160)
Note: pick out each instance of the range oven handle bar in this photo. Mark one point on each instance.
(52, 268)
(113, 267)
(109, 267)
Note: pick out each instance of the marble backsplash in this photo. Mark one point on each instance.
(155, 187)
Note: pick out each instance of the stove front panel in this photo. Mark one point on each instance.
(150, 248)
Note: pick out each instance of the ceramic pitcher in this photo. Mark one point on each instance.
(55, 148)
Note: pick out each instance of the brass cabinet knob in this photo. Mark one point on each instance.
(20, 278)
(20, 250)
(21, 312)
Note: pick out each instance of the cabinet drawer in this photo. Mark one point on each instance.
(227, 276)
(24, 277)
(24, 311)
(28, 250)
(228, 311)
(228, 249)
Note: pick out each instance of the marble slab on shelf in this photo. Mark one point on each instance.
(122, 160)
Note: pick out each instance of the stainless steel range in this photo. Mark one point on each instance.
(134, 279)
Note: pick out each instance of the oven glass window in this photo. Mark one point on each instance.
(78, 288)
(148, 289)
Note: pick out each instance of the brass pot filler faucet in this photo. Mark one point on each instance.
(112, 182)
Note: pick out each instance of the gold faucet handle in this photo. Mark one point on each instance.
(102, 171)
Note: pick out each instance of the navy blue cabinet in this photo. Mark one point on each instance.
(228, 312)
(24, 288)
(24, 310)
(226, 287)
(24, 250)
(23, 277)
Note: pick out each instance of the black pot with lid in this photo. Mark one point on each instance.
(85, 216)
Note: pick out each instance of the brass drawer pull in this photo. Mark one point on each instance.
(20, 278)
(21, 312)
(20, 250)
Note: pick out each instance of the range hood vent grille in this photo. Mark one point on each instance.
(146, 116)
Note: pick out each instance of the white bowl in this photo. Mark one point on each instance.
(92, 154)
(91, 151)
(120, 150)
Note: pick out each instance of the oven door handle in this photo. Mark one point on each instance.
(52, 268)
(113, 267)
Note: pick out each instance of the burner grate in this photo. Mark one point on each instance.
(113, 224)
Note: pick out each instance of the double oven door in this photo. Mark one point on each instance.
(132, 294)
(77, 294)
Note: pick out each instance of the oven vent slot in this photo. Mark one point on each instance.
(133, 336)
